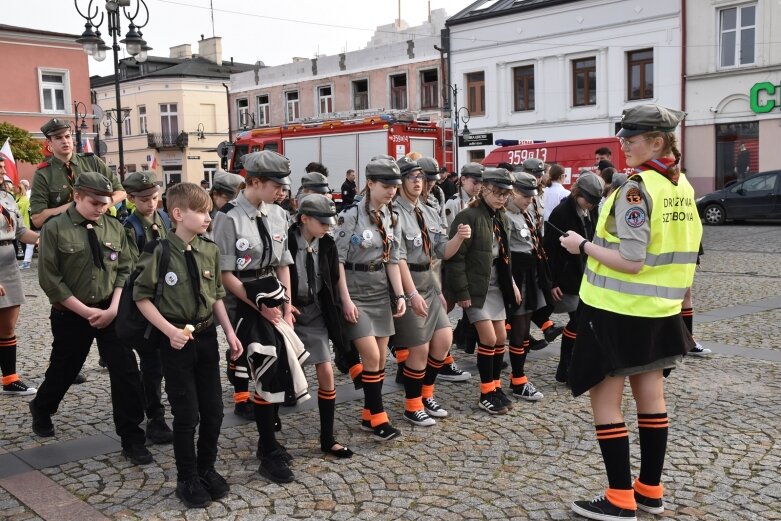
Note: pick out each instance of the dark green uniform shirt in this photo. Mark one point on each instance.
(148, 237)
(178, 303)
(66, 267)
(51, 187)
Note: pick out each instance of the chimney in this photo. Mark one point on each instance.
(211, 49)
(181, 51)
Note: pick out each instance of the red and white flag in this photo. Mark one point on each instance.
(10, 163)
(87, 146)
(152, 161)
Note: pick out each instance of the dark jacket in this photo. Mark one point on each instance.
(469, 270)
(566, 268)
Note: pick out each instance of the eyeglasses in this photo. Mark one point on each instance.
(499, 194)
(414, 178)
(625, 143)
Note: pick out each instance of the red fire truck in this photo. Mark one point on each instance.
(575, 155)
(342, 144)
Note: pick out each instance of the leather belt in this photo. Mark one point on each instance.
(419, 267)
(6, 243)
(199, 326)
(255, 274)
(364, 267)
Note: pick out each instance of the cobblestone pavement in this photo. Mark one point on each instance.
(723, 459)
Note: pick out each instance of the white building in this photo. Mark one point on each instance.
(555, 69)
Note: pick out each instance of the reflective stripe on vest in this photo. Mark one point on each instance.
(671, 254)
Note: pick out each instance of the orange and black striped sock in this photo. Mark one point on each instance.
(264, 421)
(687, 314)
(546, 325)
(518, 363)
(613, 441)
(653, 430)
(485, 366)
(241, 397)
(449, 358)
(372, 390)
(432, 370)
(413, 386)
(355, 371)
(326, 404)
(498, 361)
(8, 358)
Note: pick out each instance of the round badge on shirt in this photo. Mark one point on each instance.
(171, 279)
(242, 244)
(367, 235)
(524, 233)
(417, 241)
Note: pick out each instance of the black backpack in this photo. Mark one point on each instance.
(131, 325)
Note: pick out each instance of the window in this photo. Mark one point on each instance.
(242, 112)
(324, 94)
(475, 93)
(398, 94)
(476, 156)
(169, 120)
(142, 128)
(523, 88)
(761, 183)
(640, 74)
(360, 94)
(263, 110)
(53, 85)
(737, 151)
(737, 33)
(429, 89)
(109, 128)
(128, 130)
(584, 82)
(291, 101)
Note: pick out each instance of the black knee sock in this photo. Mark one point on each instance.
(432, 370)
(653, 446)
(567, 344)
(8, 356)
(485, 362)
(264, 420)
(326, 403)
(372, 390)
(413, 388)
(613, 441)
(498, 360)
(688, 318)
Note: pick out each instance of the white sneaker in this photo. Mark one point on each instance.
(528, 392)
(451, 373)
(433, 409)
(698, 350)
(419, 418)
(19, 388)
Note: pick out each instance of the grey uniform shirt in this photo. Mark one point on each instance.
(236, 233)
(358, 241)
(303, 280)
(455, 204)
(630, 220)
(411, 241)
(519, 236)
(17, 228)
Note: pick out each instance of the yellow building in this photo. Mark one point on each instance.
(174, 112)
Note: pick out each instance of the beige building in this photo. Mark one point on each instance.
(174, 112)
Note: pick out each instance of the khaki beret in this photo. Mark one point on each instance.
(141, 183)
(316, 182)
(473, 170)
(95, 185)
(590, 186)
(318, 206)
(649, 118)
(383, 170)
(525, 183)
(430, 168)
(498, 177)
(226, 183)
(267, 164)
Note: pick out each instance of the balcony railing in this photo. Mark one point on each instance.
(165, 140)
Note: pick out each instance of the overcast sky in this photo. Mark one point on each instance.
(270, 31)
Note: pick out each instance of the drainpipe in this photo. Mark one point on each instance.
(683, 76)
(228, 102)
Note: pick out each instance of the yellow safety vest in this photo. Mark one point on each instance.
(671, 255)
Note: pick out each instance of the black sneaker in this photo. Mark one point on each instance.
(433, 409)
(80, 379)
(552, 333)
(19, 388)
(504, 399)
(490, 403)
(603, 510)
(537, 344)
(451, 373)
(284, 454)
(647, 504)
(366, 426)
(137, 454)
(527, 392)
(193, 493)
(158, 432)
(215, 484)
(419, 418)
(274, 467)
(42, 422)
(245, 410)
(386, 432)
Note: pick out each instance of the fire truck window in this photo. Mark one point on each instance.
(274, 147)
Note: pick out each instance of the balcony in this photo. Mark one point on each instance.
(165, 140)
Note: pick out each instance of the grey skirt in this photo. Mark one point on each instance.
(10, 278)
(310, 328)
(369, 292)
(412, 330)
(493, 307)
(524, 309)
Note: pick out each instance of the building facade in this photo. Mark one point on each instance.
(45, 74)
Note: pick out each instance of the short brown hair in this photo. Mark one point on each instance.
(187, 196)
(556, 172)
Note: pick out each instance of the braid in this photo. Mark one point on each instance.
(392, 214)
(367, 207)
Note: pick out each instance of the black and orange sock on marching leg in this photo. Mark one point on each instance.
(613, 439)
(356, 371)
(568, 338)
(653, 430)
(687, 314)
(402, 354)
(264, 421)
(432, 370)
(485, 366)
(498, 362)
(8, 360)
(326, 405)
(517, 362)
(413, 388)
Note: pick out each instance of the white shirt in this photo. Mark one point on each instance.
(553, 195)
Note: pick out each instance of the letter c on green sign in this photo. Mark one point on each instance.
(769, 104)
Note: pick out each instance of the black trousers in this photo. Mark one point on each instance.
(192, 382)
(73, 336)
(152, 378)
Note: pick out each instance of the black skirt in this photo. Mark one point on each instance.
(608, 342)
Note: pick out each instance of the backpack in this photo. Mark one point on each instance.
(131, 325)
(134, 222)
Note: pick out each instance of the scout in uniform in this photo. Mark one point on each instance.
(84, 261)
(423, 334)
(367, 242)
(639, 267)
(225, 188)
(314, 183)
(190, 302)
(143, 226)
(315, 303)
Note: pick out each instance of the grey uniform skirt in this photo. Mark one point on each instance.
(10, 278)
(369, 292)
(412, 330)
(310, 328)
(524, 309)
(493, 307)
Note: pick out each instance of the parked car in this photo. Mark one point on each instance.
(758, 197)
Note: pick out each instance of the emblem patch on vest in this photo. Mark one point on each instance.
(635, 217)
(633, 196)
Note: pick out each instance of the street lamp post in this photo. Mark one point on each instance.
(134, 43)
(461, 113)
(79, 126)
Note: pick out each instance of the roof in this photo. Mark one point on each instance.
(161, 67)
(487, 9)
(39, 32)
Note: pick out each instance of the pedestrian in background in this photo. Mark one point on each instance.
(349, 188)
(555, 193)
(23, 200)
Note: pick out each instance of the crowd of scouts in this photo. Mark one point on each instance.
(287, 290)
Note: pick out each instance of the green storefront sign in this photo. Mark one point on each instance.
(764, 97)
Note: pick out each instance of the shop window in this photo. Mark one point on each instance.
(737, 152)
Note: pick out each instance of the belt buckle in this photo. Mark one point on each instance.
(373, 267)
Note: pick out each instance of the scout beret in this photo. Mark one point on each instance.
(316, 182)
(53, 125)
(226, 182)
(430, 167)
(473, 170)
(498, 177)
(534, 166)
(382, 156)
(590, 186)
(95, 185)
(318, 206)
(268, 164)
(649, 118)
(407, 165)
(383, 170)
(141, 183)
(525, 183)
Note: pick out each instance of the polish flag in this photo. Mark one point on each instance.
(152, 161)
(10, 163)
(87, 146)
